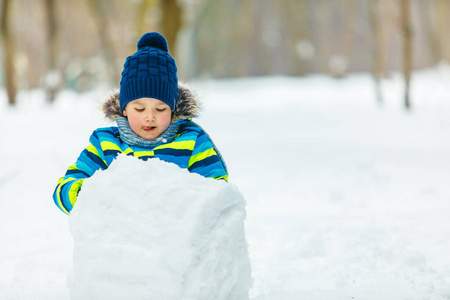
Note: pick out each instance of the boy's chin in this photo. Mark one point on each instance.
(148, 136)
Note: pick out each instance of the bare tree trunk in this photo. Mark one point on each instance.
(171, 22)
(142, 10)
(377, 19)
(349, 14)
(431, 31)
(442, 8)
(100, 18)
(296, 30)
(197, 60)
(407, 49)
(52, 79)
(9, 57)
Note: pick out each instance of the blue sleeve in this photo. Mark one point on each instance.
(90, 160)
(206, 159)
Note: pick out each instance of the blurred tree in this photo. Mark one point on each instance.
(142, 9)
(238, 53)
(88, 40)
(442, 26)
(299, 34)
(349, 16)
(52, 80)
(322, 37)
(99, 11)
(431, 29)
(206, 36)
(171, 22)
(407, 48)
(377, 17)
(9, 50)
(199, 15)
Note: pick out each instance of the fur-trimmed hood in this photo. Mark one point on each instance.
(187, 107)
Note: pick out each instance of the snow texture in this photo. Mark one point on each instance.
(345, 199)
(150, 230)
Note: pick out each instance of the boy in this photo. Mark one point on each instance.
(153, 114)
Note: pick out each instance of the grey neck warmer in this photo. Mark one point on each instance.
(131, 138)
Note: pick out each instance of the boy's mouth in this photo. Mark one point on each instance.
(148, 128)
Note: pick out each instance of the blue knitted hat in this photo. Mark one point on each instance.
(150, 72)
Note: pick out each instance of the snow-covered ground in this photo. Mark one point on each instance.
(346, 199)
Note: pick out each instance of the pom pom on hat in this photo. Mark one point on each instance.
(153, 39)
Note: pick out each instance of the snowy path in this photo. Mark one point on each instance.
(345, 200)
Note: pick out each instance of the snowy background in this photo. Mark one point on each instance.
(346, 199)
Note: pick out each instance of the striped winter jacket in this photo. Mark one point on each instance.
(191, 149)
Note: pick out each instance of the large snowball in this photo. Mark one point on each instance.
(150, 230)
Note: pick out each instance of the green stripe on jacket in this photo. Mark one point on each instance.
(192, 149)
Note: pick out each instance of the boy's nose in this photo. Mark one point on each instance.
(150, 118)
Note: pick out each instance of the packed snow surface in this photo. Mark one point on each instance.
(345, 198)
(150, 230)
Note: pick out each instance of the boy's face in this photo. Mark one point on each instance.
(148, 117)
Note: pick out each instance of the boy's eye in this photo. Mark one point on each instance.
(139, 109)
(161, 109)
